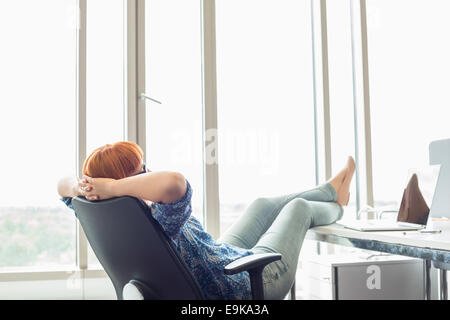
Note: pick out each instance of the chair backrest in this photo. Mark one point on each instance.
(131, 245)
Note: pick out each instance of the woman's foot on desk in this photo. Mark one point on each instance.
(341, 182)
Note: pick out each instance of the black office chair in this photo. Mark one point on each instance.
(141, 260)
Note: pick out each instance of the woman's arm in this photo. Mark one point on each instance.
(68, 187)
(165, 187)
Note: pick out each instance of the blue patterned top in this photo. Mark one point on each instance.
(205, 257)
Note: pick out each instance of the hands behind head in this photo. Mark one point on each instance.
(96, 188)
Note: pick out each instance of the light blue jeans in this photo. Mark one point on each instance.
(279, 224)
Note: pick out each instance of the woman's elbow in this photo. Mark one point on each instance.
(177, 187)
(65, 187)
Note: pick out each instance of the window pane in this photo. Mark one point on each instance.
(37, 130)
(265, 101)
(173, 76)
(105, 76)
(408, 69)
(341, 90)
(105, 72)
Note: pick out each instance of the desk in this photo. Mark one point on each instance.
(429, 247)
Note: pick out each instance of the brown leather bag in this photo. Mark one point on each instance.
(413, 208)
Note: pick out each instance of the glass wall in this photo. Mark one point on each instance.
(105, 84)
(408, 70)
(341, 90)
(105, 69)
(265, 101)
(173, 46)
(37, 131)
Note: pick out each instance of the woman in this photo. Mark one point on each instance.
(276, 224)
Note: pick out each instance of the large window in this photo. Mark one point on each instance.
(408, 68)
(341, 89)
(105, 77)
(274, 81)
(37, 130)
(265, 101)
(105, 69)
(174, 77)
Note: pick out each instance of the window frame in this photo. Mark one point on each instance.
(134, 113)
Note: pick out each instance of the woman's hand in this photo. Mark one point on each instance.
(97, 188)
(163, 186)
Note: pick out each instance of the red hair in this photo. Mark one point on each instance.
(117, 161)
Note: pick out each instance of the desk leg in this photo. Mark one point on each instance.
(427, 279)
(443, 284)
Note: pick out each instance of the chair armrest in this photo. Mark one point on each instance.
(254, 264)
(259, 260)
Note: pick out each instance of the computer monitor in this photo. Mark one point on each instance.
(440, 155)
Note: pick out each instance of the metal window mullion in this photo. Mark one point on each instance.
(326, 89)
(318, 108)
(315, 104)
(321, 94)
(366, 93)
(330, 248)
(140, 76)
(130, 71)
(82, 244)
(129, 79)
(209, 87)
(135, 113)
(355, 110)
